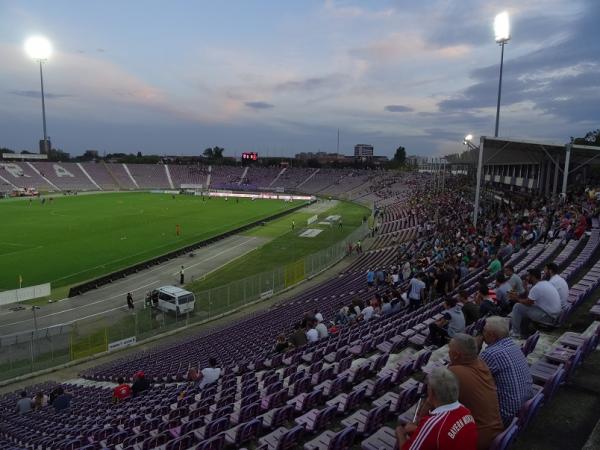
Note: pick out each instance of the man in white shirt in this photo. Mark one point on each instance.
(367, 313)
(551, 272)
(321, 329)
(312, 335)
(210, 374)
(541, 305)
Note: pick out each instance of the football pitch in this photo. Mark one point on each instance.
(76, 238)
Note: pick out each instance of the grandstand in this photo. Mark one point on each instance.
(348, 389)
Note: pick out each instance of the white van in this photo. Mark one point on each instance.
(172, 299)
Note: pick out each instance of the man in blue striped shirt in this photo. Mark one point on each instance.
(508, 366)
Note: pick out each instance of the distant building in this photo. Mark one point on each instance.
(363, 151)
(45, 146)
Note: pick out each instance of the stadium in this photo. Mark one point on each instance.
(273, 303)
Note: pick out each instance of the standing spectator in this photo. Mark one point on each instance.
(210, 374)
(63, 399)
(130, 301)
(551, 272)
(452, 322)
(24, 404)
(298, 337)
(140, 383)
(447, 425)
(406, 271)
(477, 389)
(370, 277)
(121, 392)
(416, 291)
(541, 305)
(508, 366)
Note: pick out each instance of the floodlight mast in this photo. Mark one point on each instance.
(467, 141)
(502, 32)
(39, 49)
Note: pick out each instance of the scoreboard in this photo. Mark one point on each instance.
(249, 156)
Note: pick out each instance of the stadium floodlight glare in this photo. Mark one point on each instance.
(39, 49)
(502, 31)
(502, 27)
(469, 137)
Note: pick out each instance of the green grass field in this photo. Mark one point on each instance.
(73, 239)
(287, 246)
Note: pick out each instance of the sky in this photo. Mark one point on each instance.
(282, 76)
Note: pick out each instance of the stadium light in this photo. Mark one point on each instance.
(502, 32)
(39, 49)
(502, 27)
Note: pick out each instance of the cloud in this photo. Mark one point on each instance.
(312, 83)
(37, 94)
(397, 108)
(259, 105)
(345, 10)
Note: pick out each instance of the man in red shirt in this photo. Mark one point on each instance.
(122, 391)
(447, 426)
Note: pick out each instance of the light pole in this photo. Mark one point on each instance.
(502, 32)
(471, 146)
(35, 326)
(39, 49)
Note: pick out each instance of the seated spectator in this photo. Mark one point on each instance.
(322, 329)
(514, 280)
(281, 345)
(40, 401)
(318, 316)
(541, 305)
(386, 307)
(24, 404)
(469, 308)
(447, 425)
(140, 383)
(367, 313)
(121, 392)
(502, 290)
(192, 375)
(312, 335)
(341, 317)
(551, 273)
(298, 337)
(477, 389)
(487, 306)
(508, 366)
(453, 322)
(62, 400)
(495, 266)
(210, 374)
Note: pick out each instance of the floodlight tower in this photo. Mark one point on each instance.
(502, 32)
(39, 49)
